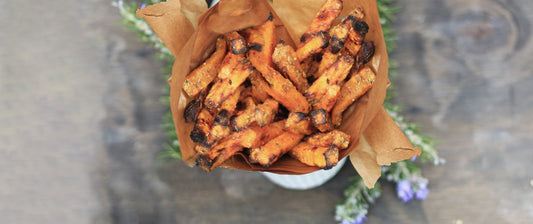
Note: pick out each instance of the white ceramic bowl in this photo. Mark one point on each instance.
(304, 181)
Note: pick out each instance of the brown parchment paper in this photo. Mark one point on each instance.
(375, 139)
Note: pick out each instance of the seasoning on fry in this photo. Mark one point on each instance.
(265, 101)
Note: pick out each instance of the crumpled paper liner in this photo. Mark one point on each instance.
(189, 30)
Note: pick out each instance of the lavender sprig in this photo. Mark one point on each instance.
(354, 208)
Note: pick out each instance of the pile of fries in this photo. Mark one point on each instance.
(264, 98)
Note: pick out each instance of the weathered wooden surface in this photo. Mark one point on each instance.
(79, 124)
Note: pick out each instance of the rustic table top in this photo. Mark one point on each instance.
(81, 113)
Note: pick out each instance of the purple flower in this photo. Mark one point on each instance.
(422, 193)
(143, 5)
(358, 220)
(413, 159)
(404, 191)
(420, 187)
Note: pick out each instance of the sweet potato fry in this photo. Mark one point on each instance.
(275, 148)
(261, 41)
(359, 31)
(202, 126)
(282, 90)
(202, 76)
(323, 20)
(220, 127)
(194, 107)
(328, 58)
(254, 136)
(225, 149)
(300, 123)
(261, 114)
(335, 74)
(351, 47)
(237, 42)
(365, 54)
(339, 34)
(314, 45)
(231, 103)
(358, 84)
(265, 134)
(285, 59)
(321, 149)
(266, 112)
(321, 120)
(357, 14)
(260, 87)
(225, 87)
(324, 157)
(328, 99)
(245, 117)
(335, 137)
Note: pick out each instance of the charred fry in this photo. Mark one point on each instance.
(324, 157)
(323, 20)
(237, 42)
(339, 34)
(358, 33)
(261, 40)
(220, 128)
(332, 76)
(225, 86)
(354, 88)
(194, 107)
(225, 149)
(321, 149)
(275, 148)
(281, 88)
(314, 45)
(365, 53)
(321, 120)
(285, 58)
(298, 122)
(245, 117)
(202, 126)
(202, 76)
